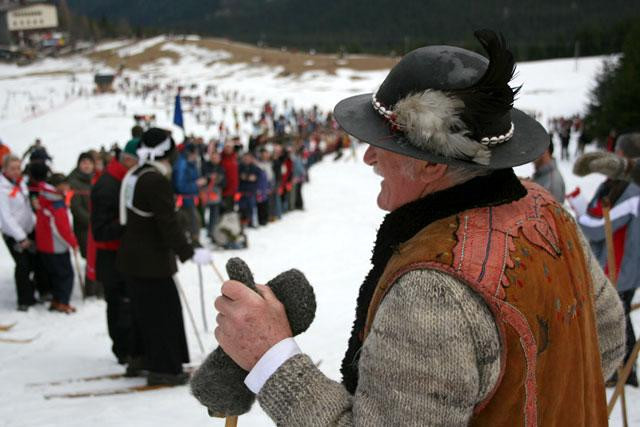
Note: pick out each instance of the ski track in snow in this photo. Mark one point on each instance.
(330, 241)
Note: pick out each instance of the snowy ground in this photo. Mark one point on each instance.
(330, 241)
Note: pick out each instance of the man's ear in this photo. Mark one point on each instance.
(431, 172)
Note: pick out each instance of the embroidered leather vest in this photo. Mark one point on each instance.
(525, 259)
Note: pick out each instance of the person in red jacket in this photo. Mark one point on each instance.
(230, 165)
(54, 238)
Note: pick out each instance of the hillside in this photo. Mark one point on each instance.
(545, 28)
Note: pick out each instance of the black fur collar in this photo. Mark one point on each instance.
(501, 186)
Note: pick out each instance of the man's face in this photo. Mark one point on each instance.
(129, 162)
(399, 185)
(13, 170)
(86, 166)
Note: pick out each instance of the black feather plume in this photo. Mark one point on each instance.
(491, 97)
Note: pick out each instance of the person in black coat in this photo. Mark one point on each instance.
(146, 257)
(248, 187)
(107, 231)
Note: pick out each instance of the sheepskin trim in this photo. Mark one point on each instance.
(431, 121)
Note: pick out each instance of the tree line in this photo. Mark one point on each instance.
(535, 30)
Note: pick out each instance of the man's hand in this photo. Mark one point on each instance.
(201, 182)
(25, 244)
(249, 324)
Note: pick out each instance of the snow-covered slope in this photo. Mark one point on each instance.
(330, 241)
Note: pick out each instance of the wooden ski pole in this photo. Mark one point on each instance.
(202, 305)
(608, 234)
(623, 376)
(189, 312)
(611, 264)
(220, 277)
(76, 262)
(635, 306)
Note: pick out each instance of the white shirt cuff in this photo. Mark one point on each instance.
(270, 362)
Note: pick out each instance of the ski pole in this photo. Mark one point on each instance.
(611, 264)
(186, 303)
(217, 272)
(623, 375)
(76, 262)
(204, 312)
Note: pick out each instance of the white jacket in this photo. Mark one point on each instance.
(17, 219)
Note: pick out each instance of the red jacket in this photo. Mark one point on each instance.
(53, 228)
(230, 164)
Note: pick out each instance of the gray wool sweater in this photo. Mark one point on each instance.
(433, 353)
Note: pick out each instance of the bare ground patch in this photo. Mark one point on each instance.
(292, 63)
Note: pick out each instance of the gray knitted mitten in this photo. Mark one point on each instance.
(608, 164)
(219, 382)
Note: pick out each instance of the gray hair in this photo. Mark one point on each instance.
(455, 174)
(8, 159)
(461, 174)
(629, 144)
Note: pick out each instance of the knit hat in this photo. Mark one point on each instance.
(444, 104)
(629, 144)
(155, 144)
(86, 156)
(131, 148)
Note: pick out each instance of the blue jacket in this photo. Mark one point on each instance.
(626, 229)
(249, 175)
(184, 178)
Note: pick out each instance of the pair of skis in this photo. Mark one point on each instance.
(7, 328)
(114, 391)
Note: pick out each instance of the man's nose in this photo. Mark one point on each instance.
(370, 156)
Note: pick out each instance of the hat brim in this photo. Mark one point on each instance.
(358, 118)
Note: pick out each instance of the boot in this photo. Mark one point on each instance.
(157, 378)
(135, 367)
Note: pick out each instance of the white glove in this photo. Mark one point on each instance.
(202, 256)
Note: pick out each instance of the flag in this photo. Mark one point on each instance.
(177, 113)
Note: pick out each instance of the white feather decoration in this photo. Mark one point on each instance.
(431, 121)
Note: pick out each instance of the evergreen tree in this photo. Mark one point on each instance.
(615, 101)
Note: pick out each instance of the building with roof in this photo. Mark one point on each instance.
(23, 21)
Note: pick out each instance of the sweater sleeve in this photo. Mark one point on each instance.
(431, 331)
(609, 315)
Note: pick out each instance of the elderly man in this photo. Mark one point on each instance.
(484, 305)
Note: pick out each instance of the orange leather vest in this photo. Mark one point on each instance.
(525, 259)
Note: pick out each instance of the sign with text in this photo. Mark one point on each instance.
(35, 17)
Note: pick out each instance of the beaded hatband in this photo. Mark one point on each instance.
(390, 116)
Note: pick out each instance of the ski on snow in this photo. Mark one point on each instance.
(94, 378)
(108, 392)
(5, 328)
(18, 340)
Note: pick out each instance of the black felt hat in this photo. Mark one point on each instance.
(155, 144)
(448, 105)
